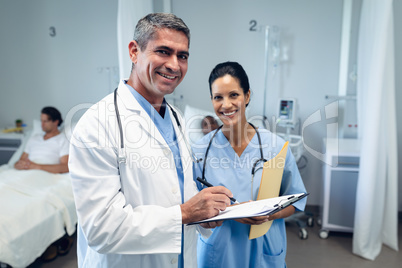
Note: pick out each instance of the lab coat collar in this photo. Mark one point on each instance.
(128, 101)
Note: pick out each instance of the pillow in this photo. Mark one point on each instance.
(36, 129)
(193, 117)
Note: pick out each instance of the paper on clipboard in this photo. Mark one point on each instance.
(256, 208)
(269, 187)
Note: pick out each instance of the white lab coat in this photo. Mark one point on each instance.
(131, 220)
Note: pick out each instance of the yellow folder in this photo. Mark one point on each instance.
(269, 187)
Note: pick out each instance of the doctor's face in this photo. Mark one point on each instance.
(161, 66)
(229, 100)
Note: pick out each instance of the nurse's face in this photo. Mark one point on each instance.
(161, 66)
(229, 100)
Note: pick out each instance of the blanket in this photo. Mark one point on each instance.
(37, 208)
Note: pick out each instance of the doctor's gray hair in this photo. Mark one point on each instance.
(149, 25)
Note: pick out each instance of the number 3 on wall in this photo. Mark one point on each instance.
(253, 25)
(52, 31)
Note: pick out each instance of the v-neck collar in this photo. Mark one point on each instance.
(222, 140)
(43, 137)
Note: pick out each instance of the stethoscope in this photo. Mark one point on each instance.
(121, 152)
(122, 155)
(253, 169)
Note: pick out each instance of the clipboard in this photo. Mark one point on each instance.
(256, 208)
(291, 200)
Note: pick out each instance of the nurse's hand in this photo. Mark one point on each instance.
(211, 224)
(253, 220)
(284, 213)
(206, 204)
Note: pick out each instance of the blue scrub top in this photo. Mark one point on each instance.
(165, 127)
(229, 246)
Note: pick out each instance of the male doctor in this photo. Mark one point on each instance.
(135, 194)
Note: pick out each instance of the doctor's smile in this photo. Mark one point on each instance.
(167, 76)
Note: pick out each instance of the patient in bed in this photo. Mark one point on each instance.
(208, 124)
(46, 151)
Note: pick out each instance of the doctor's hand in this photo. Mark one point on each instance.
(206, 204)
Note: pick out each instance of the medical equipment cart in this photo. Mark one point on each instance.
(341, 172)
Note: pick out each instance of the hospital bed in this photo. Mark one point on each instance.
(37, 208)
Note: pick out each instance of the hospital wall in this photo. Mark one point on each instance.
(79, 65)
(310, 29)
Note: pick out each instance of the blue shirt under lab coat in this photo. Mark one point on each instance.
(165, 127)
(229, 245)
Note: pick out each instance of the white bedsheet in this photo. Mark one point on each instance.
(36, 209)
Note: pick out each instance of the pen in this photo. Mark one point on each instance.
(210, 185)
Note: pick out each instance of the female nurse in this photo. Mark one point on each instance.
(236, 146)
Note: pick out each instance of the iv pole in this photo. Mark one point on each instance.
(266, 58)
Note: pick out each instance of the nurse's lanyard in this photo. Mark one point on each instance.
(122, 155)
(253, 169)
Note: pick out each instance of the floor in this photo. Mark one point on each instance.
(335, 251)
(314, 252)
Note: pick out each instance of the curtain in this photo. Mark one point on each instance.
(128, 14)
(376, 217)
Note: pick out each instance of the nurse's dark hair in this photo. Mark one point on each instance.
(233, 69)
(149, 25)
(53, 114)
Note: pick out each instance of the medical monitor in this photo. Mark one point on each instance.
(287, 111)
